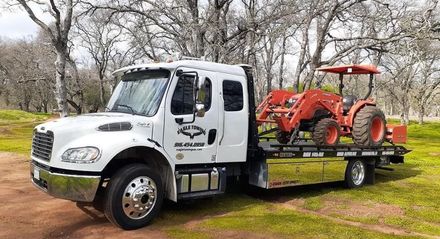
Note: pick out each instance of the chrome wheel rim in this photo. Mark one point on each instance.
(358, 173)
(139, 197)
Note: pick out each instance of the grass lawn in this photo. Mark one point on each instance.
(16, 130)
(402, 203)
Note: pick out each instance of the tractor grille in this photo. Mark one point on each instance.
(42, 145)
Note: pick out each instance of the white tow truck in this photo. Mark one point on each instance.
(177, 131)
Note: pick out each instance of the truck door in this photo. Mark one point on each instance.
(190, 139)
(233, 116)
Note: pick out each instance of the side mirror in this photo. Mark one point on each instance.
(200, 110)
(200, 97)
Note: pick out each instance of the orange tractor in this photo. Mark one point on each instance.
(327, 115)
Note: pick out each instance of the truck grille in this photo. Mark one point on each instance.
(42, 145)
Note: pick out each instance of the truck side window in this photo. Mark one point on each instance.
(208, 93)
(232, 95)
(183, 97)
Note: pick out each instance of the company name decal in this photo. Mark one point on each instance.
(192, 131)
(313, 154)
(369, 153)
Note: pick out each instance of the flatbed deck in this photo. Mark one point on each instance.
(309, 150)
(305, 163)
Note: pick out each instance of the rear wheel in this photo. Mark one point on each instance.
(134, 197)
(326, 132)
(369, 127)
(355, 173)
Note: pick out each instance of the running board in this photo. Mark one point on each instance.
(200, 182)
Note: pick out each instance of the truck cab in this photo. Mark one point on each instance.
(175, 119)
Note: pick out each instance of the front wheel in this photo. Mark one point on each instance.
(326, 132)
(283, 137)
(355, 173)
(133, 197)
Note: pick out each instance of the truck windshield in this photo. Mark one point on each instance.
(139, 92)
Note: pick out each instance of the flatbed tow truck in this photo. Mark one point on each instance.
(177, 131)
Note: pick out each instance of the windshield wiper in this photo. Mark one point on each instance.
(128, 107)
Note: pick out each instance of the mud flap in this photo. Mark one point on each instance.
(370, 166)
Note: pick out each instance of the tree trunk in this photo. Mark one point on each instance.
(310, 75)
(405, 116)
(101, 90)
(27, 105)
(301, 58)
(281, 72)
(77, 107)
(60, 84)
(197, 46)
(45, 107)
(38, 107)
(79, 86)
(421, 115)
(269, 82)
(392, 106)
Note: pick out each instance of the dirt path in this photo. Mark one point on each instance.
(25, 212)
(382, 228)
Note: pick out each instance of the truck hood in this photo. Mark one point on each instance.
(82, 131)
(84, 122)
(78, 130)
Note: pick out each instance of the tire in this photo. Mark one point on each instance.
(282, 137)
(135, 181)
(355, 173)
(326, 132)
(369, 127)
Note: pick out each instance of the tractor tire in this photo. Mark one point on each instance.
(326, 132)
(369, 127)
(133, 197)
(283, 137)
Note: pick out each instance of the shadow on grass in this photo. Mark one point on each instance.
(186, 214)
(239, 198)
(319, 189)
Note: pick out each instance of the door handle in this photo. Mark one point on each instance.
(179, 120)
(211, 136)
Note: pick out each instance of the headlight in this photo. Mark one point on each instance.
(291, 101)
(81, 155)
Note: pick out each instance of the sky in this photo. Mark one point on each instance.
(16, 25)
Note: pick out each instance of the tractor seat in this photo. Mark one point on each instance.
(348, 101)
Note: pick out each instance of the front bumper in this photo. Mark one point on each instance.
(80, 188)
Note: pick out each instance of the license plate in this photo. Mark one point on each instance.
(36, 173)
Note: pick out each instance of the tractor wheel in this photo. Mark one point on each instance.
(283, 137)
(326, 132)
(369, 127)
